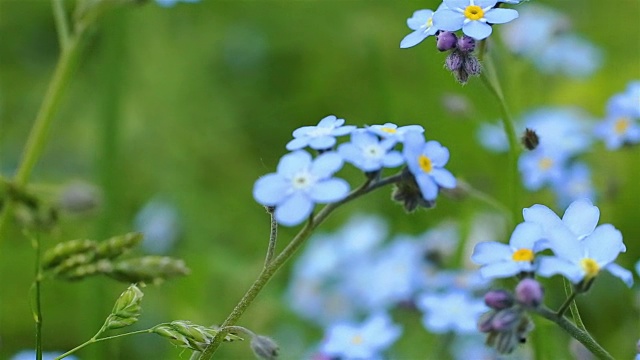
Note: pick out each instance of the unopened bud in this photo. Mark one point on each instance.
(498, 299)
(530, 139)
(466, 44)
(152, 268)
(529, 293)
(264, 347)
(472, 65)
(505, 320)
(454, 61)
(118, 245)
(127, 308)
(407, 192)
(484, 323)
(64, 250)
(446, 40)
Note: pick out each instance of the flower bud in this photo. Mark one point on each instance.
(407, 192)
(64, 250)
(446, 40)
(529, 293)
(152, 268)
(127, 308)
(472, 65)
(505, 320)
(484, 323)
(118, 245)
(79, 198)
(498, 299)
(264, 347)
(466, 44)
(530, 139)
(454, 61)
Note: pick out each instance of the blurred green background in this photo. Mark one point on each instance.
(193, 103)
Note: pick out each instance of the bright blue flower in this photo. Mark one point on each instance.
(618, 129)
(426, 161)
(351, 341)
(500, 260)
(575, 184)
(394, 132)
(422, 23)
(320, 137)
(170, 3)
(454, 311)
(541, 166)
(472, 16)
(299, 184)
(368, 153)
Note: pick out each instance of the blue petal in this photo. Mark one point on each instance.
(419, 18)
(438, 154)
(270, 189)
(541, 215)
(330, 190)
(486, 3)
(297, 143)
(293, 162)
(581, 217)
(526, 235)
(322, 142)
(392, 159)
(343, 130)
(488, 252)
(549, 266)
(294, 210)
(456, 4)
(444, 178)
(500, 16)
(604, 244)
(621, 273)
(565, 244)
(427, 186)
(326, 164)
(413, 39)
(330, 121)
(449, 20)
(303, 131)
(500, 270)
(477, 29)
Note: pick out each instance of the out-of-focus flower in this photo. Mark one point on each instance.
(394, 132)
(581, 218)
(368, 153)
(158, 221)
(454, 311)
(500, 260)
(299, 184)
(421, 22)
(571, 55)
(535, 28)
(31, 354)
(321, 136)
(618, 129)
(472, 16)
(627, 102)
(426, 161)
(541, 167)
(170, 3)
(352, 341)
(575, 184)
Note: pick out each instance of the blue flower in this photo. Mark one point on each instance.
(454, 311)
(422, 23)
(426, 161)
(627, 102)
(501, 260)
(159, 222)
(541, 166)
(569, 54)
(299, 184)
(472, 16)
(320, 137)
(581, 218)
(360, 341)
(31, 354)
(575, 184)
(170, 3)
(368, 153)
(618, 129)
(393, 131)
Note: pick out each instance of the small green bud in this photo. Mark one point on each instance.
(264, 347)
(118, 245)
(188, 335)
(127, 308)
(153, 269)
(82, 271)
(73, 261)
(176, 338)
(64, 250)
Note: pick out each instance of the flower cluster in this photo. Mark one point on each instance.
(302, 181)
(581, 248)
(348, 281)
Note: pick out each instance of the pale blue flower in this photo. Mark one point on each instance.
(455, 311)
(321, 136)
(394, 132)
(472, 16)
(638, 268)
(581, 218)
(492, 137)
(158, 221)
(627, 102)
(541, 166)
(618, 129)
(170, 3)
(571, 55)
(361, 236)
(299, 184)
(426, 161)
(350, 341)
(31, 354)
(582, 260)
(537, 25)
(422, 23)
(500, 260)
(368, 153)
(575, 184)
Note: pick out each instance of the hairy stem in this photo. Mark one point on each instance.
(268, 271)
(581, 335)
(273, 236)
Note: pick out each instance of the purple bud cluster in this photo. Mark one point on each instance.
(461, 61)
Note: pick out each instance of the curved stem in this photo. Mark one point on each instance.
(567, 303)
(62, 24)
(268, 271)
(95, 339)
(572, 305)
(273, 236)
(581, 335)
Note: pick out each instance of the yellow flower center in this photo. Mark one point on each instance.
(590, 267)
(425, 164)
(621, 125)
(473, 12)
(429, 22)
(388, 130)
(357, 340)
(523, 255)
(545, 163)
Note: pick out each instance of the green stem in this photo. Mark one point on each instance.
(62, 25)
(581, 335)
(572, 304)
(273, 237)
(95, 339)
(37, 309)
(567, 303)
(268, 271)
(490, 80)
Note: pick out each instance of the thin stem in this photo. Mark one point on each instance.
(273, 236)
(573, 306)
(566, 305)
(267, 272)
(581, 335)
(95, 339)
(62, 24)
(37, 309)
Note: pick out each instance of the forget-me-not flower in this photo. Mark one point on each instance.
(368, 153)
(299, 184)
(618, 129)
(581, 218)
(569, 54)
(472, 16)
(421, 22)
(360, 341)
(170, 3)
(454, 311)
(394, 132)
(626, 102)
(575, 184)
(541, 166)
(500, 260)
(321, 136)
(426, 161)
